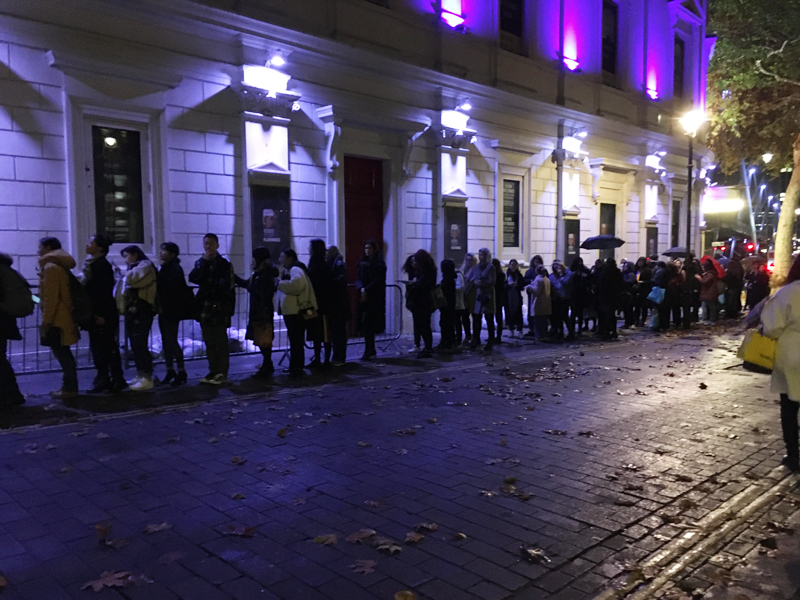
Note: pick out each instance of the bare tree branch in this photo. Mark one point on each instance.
(775, 76)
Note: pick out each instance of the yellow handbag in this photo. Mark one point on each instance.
(758, 352)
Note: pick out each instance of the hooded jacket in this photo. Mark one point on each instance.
(56, 301)
(140, 283)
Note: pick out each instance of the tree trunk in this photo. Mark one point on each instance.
(786, 224)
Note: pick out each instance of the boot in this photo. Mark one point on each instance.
(169, 377)
(180, 379)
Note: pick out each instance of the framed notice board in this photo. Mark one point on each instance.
(572, 240)
(455, 235)
(271, 218)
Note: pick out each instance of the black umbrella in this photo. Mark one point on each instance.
(677, 251)
(602, 242)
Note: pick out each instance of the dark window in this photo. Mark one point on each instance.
(610, 36)
(511, 206)
(118, 183)
(678, 77)
(512, 16)
(676, 223)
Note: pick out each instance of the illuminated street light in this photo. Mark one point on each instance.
(767, 157)
(691, 122)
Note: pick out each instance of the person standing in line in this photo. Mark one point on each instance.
(734, 281)
(139, 291)
(557, 302)
(340, 311)
(781, 321)
(661, 279)
(318, 328)
(709, 291)
(539, 305)
(261, 316)
(514, 284)
(99, 281)
(757, 284)
(215, 304)
(485, 276)
(499, 299)
(298, 303)
(567, 286)
(530, 276)
(609, 292)
(10, 394)
(58, 330)
(470, 291)
(691, 286)
(421, 271)
(581, 293)
(176, 301)
(644, 277)
(447, 314)
(371, 286)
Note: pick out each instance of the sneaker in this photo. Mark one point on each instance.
(792, 464)
(144, 384)
(219, 379)
(207, 378)
(134, 381)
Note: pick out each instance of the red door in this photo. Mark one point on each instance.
(363, 208)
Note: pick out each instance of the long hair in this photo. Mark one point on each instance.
(317, 248)
(469, 262)
(424, 261)
(134, 249)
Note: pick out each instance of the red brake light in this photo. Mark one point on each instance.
(750, 246)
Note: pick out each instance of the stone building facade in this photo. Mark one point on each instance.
(418, 124)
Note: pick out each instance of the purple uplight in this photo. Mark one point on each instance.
(452, 19)
(570, 57)
(571, 63)
(652, 85)
(652, 93)
(452, 13)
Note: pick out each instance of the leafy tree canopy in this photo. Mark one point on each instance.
(754, 81)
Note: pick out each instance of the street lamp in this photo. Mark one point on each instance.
(691, 122)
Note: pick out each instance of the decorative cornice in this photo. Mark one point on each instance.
(77, 66)
(254, 100)
(455, 139)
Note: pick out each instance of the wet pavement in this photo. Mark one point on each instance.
(536, 471)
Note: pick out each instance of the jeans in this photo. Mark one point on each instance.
(464, 323)
(295, 327)
(215, 338)
(104, 344)
(169, 342)
(557, 318)
(9, 390)
(65, 358)
(422, 328)
(137, 327)
(476, 327)
(710, 309)
(539, 325)
(339, 339)
(789, 410)
(447, 326)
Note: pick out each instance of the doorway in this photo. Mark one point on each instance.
(363, 208)
(608, 226)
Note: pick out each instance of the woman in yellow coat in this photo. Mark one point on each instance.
(58, 331)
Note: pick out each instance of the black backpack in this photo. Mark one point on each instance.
(81, 303)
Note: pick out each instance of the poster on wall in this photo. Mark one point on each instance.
(455, 222)
(271, 218)
(511, 203)
(652, 242)
(572, 240)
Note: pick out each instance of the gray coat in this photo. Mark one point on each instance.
(485, 276)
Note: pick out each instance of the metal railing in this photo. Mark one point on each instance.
(28, 356)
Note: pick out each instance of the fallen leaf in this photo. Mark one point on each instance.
(587, 434)
(412, 537)
(238, 496)
(241, 531)
(372, 503)
(238, 461)
(683, 478)
(213, 440)
(363, 567)
(116, 543)
(703, 386)
(174, 439)
(426, 527)
(459, 537)
(155, 528)
(364, 445)
(102, 436)
(361, 535)
(103, 530)
(555, 432)
(79, 433)
(31, 448)
(116, 579)
(432, 421)
(328, 539)
(532, 554)
(405, 595)
(389, 546)
(401, 451)
(504, 442)
(299, 501)
(488, 493)
(282, 432)
(770, 543)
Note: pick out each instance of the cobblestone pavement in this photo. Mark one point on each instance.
(534, 472)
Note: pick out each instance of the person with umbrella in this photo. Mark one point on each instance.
(609, 291)
(709, 290)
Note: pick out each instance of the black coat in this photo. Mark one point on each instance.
(321, 280)
(449, 290)
(99, 286)
(176, 298)
(419, 292)
(499, 289)
(609, 288)
(339, 295)
(261, 287)
(215, 301)
(371, 278)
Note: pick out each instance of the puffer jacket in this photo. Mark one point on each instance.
(539, 302)
(296, 291)
(56, 300)
(139, 283)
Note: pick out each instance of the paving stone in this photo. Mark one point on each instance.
(197, 588)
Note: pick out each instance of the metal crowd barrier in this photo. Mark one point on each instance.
(28, 356)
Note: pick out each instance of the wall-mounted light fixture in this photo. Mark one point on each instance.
(450, 11)
(464, 105)
(276, 59)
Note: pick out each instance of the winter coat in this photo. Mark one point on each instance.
(175, 297)
(735, 274)
(295, 291)
(470, 289)
(709, 286)
(485, 277)
(419, 292)
(566, 284)
(449, 290)
(582, 287)
(339, 296)
(460, 284)
(261, 287)
(661, 277)
(610, 288)
(499, 289)
(514, 284)
(319, 273)
(139, 287)
(215, 301)
(8, 324)
(371, 278)
(99, 281)
(56, 300)
(781, 321)
(539, 302)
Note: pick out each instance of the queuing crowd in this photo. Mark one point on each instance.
(314, 301)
